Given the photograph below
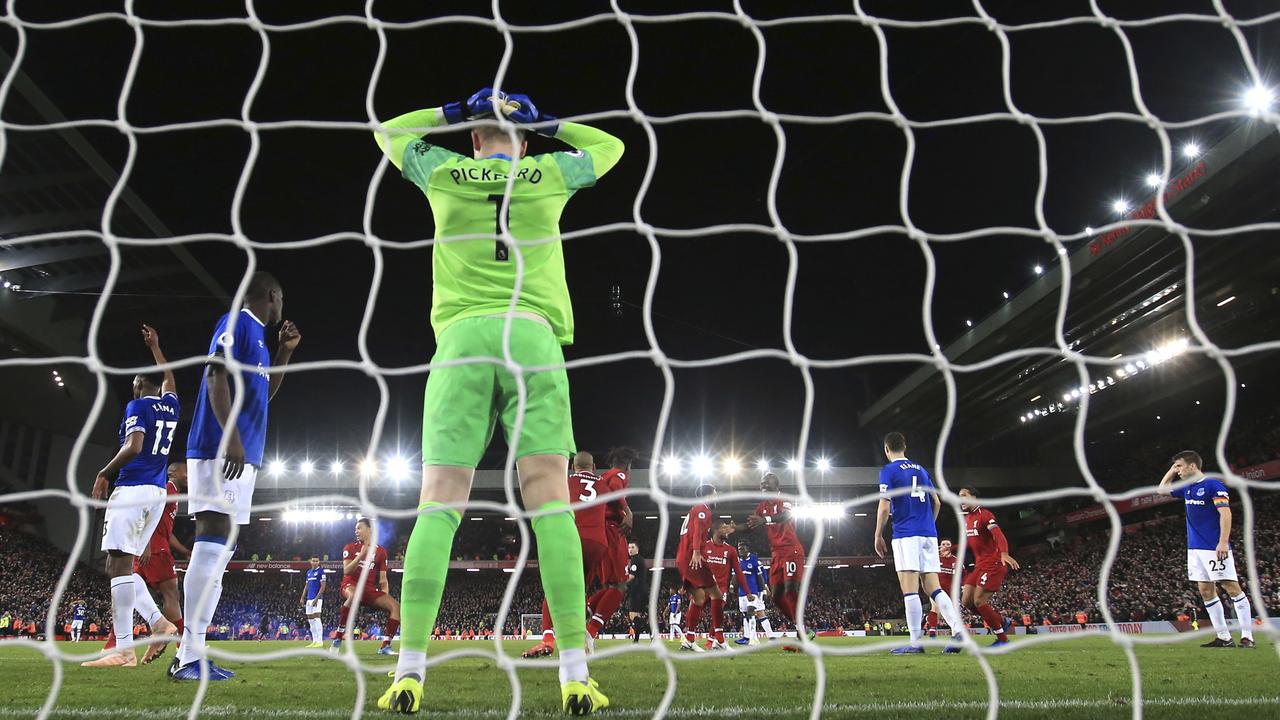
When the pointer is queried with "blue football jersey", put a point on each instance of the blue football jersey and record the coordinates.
(314, 577)
(157, 419)
(77, 612)
(673, 605)
(249, 346)
(912, 510)
(1202, 501)
(754, 574)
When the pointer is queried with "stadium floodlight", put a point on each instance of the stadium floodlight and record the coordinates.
(968, 323)
(1066, 397)
(1075, 393)
(368, 467)
(1190, 150)
(1005, 294)
(702, 466)
(335, 467)
(793, 465)
(1153, 180)
(824, 511)
(1228, 300)
(1120, 206)
(1088, 230)
(1023, 418)
(398, 468)
(1258, 99)
(731, 465)
(276, 467)
(671, 465)
(1038, 269)
(762, 465)
(823, 465)
(307, 467)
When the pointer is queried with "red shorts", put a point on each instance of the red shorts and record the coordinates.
(593, 553)
(787, 565)
(158, 569)
(613, 566)
(367, 598)
(699, 578)
(990, 577)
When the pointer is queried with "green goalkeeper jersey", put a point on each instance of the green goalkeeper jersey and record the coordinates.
(477, 276)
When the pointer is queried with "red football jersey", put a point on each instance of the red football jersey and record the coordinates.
(721, 558)
(693, 532)
(947, 564)
(160, 538)
(781, 534)
(377, 565)
(590, 519)
(984, 536)
(614, 480)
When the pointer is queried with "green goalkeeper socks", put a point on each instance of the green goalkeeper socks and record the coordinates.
(426, 562)
(560, 564)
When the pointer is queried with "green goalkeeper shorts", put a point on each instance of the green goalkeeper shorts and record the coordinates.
(462, 402)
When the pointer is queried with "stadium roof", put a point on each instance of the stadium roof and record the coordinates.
(1128, 287)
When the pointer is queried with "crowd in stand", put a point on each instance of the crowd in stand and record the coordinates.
(1147, 583)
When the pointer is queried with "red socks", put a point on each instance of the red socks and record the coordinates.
(607, 602)
(994, 620)
(717, 619)
(931, 623)
(178, 622)
(691, 622)
(390, 631)
(786, 606)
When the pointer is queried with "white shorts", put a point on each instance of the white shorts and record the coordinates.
(313, 606)
(745, 606)
(77, 624)
(916, 554)
(133, 512)
(673, 619)
(209, 491)
(1204, 566)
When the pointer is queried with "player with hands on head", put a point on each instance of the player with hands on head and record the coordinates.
(1210, 561)
(136, 504)
(222, 481)
(502, 200)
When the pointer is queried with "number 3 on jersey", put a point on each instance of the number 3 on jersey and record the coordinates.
(588, 489)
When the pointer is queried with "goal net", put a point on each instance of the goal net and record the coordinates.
(784, 165)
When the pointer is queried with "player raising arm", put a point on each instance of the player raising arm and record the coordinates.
(503, 200)
(722, 559)
(220, 478)
(137, 502)
(786, 570)
(1209, 556)
(907, 494)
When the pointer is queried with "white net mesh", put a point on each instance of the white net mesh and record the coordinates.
(671, 505)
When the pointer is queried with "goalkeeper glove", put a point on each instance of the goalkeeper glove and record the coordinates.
(526, 113)
(479, 105)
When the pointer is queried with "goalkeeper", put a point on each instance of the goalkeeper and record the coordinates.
(474, 278)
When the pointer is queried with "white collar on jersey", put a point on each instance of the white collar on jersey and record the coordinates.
(255, 317)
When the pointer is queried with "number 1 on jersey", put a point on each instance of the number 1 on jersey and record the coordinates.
(500, 250)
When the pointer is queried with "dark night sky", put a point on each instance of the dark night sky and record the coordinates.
(716, 294)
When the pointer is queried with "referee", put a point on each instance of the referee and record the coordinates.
(637, 599)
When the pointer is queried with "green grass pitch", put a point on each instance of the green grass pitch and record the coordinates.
(1068, 678)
